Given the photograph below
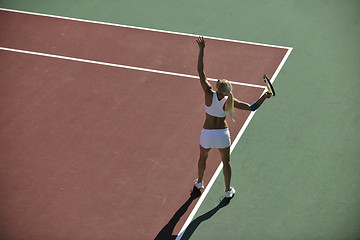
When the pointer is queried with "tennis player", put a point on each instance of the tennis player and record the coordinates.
(215, 133)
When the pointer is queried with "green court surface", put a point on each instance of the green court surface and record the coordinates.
(296, 168)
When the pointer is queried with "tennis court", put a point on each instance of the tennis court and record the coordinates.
(101, 115)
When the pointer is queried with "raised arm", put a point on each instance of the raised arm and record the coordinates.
(200, 66)
(245, 106)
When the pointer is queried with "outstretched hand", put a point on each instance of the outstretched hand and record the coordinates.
(201, 42)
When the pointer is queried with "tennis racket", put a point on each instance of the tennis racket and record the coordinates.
(269, 85)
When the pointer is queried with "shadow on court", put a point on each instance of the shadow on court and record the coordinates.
(167, 232)
(195, 223)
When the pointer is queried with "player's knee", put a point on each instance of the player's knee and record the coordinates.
(226, 160)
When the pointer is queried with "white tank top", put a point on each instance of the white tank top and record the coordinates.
(216, 108)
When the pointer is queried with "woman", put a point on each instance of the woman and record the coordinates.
(215, 133)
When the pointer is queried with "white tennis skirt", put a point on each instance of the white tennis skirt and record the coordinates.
(215, 138)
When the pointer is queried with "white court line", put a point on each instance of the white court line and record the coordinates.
(242, 130)
(139, 28)
(120, 66)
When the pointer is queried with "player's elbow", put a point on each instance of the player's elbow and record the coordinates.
(202, 75)
(200, 71)
(243, 106)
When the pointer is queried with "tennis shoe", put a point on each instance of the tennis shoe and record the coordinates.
(199, 185)
(230, 193)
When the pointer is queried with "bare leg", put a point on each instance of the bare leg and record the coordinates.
(202, 162)
(225, 157)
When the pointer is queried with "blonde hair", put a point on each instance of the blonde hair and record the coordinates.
(225, 87)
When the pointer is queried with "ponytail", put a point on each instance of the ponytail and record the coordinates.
(230, 105)
(226, 88)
